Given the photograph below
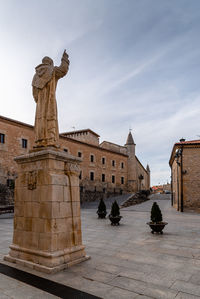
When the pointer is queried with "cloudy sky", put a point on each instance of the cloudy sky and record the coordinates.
(133, 64)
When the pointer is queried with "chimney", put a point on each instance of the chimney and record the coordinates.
(182, 139)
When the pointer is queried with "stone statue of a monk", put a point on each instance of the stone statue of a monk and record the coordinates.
(44, 92)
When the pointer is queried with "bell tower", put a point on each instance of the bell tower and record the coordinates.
(131, 167)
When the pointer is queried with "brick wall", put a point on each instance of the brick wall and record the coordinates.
(14, 133)
(112, 166)
(190, 178)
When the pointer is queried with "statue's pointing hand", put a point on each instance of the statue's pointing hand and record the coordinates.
(65, 56)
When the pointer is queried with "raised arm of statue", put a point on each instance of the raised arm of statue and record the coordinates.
(61, 71)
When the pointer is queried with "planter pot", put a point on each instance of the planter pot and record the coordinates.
(102, 215)
(115, 220)
(157, 227)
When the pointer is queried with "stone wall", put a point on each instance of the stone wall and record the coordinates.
(190, 179)
(87, 136)
(97, 167)
(89, 196)
(114, 147)
(115, 166)
(142, 184)
(14, 133)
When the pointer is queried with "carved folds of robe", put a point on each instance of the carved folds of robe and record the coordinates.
(44, 92)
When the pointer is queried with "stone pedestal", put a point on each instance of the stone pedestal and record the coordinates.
(47, 225)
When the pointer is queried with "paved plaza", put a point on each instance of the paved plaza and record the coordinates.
(127, 261)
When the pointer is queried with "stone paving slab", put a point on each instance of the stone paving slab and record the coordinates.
(186, 287)
(186, 296)
(120, 293)
(127, 261)
(142, 297)
(11, 288)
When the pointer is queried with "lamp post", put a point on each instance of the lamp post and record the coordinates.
(179, 154)
(171, 180)
(177, 162)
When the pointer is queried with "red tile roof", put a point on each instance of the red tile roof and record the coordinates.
(80, 131)
(188, 142)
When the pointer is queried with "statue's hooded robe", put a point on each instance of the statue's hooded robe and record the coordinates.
(44, 88)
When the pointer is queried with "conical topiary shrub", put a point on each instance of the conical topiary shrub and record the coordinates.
(115, 214)
(115, 209)
(156, 215)
(156, 224)
(101, 209)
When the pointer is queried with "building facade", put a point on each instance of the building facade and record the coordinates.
(185, 175)
(106, 167)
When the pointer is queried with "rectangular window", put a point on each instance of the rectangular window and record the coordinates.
(91, 176)
(103, 160)
(80, 175)
(91, 158)
(2, 138)
(65, 150)
(122, 165)
(113, 163)
(103, 177)
(122, 180)
(113, 179)
(24, 143)
(79, 154)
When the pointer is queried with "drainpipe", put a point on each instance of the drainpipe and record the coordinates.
(181, 173)
(177, 187)
(172, 202)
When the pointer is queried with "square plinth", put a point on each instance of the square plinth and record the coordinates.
(47, 225)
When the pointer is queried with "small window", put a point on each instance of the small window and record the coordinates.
(113, 163)
(2, 138)
(91, 176)
(113, 179)
(66, 150)
(103, 160)
(24, 143)
(79, 154)
(122, 180)
(80, 175)
(91, 158)
(122, 165)
(103, 177)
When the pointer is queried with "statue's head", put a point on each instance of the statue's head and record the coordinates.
(47, 60)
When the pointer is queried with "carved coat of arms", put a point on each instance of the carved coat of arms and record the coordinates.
(32, 180)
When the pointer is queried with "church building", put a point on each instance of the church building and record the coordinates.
(106, 168)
